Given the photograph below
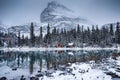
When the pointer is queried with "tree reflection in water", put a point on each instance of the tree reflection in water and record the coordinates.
(51, 59)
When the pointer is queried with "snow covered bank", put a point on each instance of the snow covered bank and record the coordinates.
(80, 71)
(53, 49)
(74, 71)
(77, 71)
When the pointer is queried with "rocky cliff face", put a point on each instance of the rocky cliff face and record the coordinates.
(60, 16)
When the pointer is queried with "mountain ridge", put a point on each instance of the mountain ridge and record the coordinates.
(56, 13)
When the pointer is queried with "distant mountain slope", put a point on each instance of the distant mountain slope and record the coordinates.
(25, 29)
(60, 16)
(57, 15)
(2, 28)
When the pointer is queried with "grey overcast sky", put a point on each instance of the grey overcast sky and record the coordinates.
(16, 12)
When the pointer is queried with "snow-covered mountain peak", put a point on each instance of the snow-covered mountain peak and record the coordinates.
(54, 5)
(57, 15)
(54, 10)
(60, 16)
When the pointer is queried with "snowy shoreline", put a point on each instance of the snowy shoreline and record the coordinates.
(80, 71)
(75, 71)
(54, 49)
(106, 69)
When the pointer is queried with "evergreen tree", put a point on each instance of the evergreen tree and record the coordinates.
(48, 29)
(19, 38)
(54, 32)
(93, 35)
(41, 34)
(111, 33)
(78, 29)
(88, 35)
(23, 40)
(65, 37)
(26, 41)
(32, 36)
(40, 41)
(111, 30)
(97, 35)
(47, 37)
(82, 34)
(117, 33)
(78, 35)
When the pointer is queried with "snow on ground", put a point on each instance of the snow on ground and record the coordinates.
(80, 71)
(76, 71)
(53, 49)
(70, 53)
(114, 66)
(6, 71)
(10, 74)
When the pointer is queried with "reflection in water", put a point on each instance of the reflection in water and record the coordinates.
(116, 79)
(51, 59)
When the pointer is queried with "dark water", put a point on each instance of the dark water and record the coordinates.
(116, 79)
(50, 59)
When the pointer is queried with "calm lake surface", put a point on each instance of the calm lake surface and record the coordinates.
(45, 60)
(50, 59)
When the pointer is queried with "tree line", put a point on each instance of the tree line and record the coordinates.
(95, 37)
